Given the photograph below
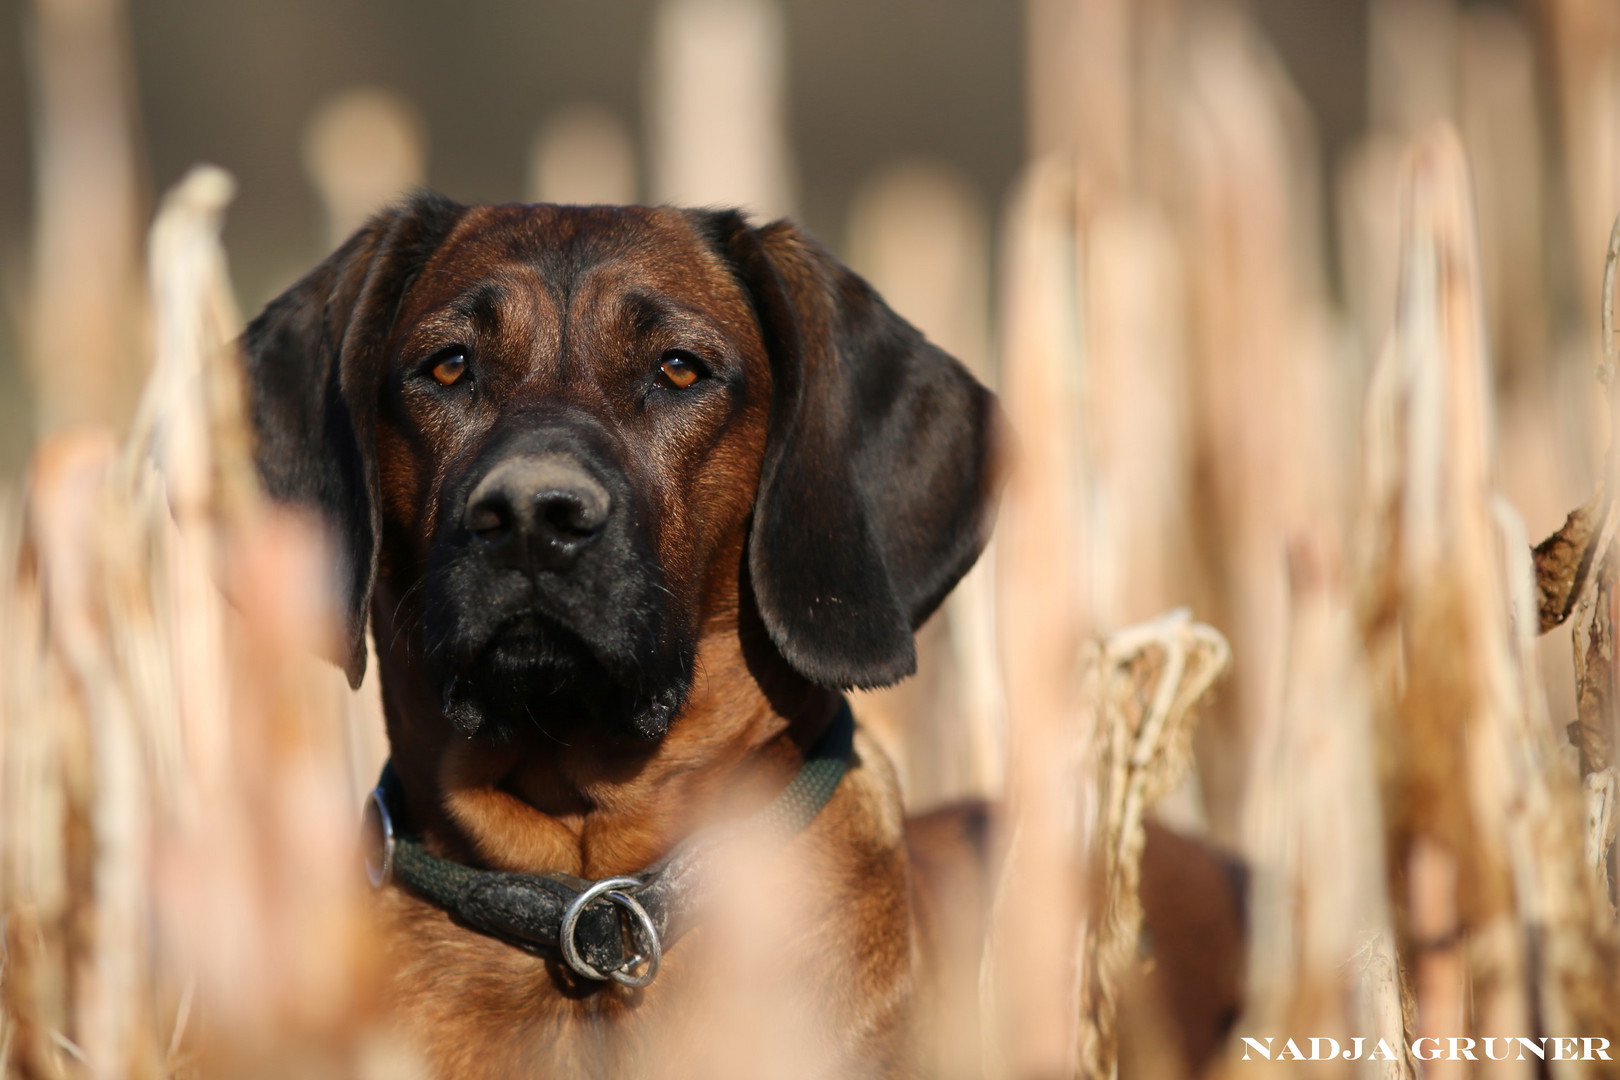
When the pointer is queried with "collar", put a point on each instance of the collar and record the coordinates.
(605, 929)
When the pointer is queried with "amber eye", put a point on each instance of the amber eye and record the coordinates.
(450, 369)
(678, 370)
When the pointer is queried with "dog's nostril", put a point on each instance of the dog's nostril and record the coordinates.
(491, 519)
(567, 516)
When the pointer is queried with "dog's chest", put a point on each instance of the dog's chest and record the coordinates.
(778, 964)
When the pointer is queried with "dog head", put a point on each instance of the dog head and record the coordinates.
(564, 443)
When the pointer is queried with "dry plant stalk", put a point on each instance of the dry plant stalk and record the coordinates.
(1115, 377)
(1079, 84)
(1322, 952)
(1034, 949)
(1575, 571)
(85, 286)
(1594, 594)
(171, 779)
(1497, 926)
(1266, 420)
(1093, 743)
(1137, 419)
(1568, 562)
(1583, 42)
(1146, 684)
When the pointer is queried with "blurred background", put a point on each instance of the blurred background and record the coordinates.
(468, 94)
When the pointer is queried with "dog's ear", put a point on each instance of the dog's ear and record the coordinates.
(878, 484)
(314, 360)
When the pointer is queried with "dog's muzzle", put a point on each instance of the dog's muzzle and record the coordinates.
(546, 589)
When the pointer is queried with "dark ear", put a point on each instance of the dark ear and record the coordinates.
(314, 361)
(878, 485)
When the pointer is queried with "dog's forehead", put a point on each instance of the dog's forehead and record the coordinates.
(574, 252)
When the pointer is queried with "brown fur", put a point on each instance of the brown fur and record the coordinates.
(869, 925)
(482, 1008)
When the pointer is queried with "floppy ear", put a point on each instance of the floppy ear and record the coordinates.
(878, 484)
(314, 360)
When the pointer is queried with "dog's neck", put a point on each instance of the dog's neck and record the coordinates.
(530, 803)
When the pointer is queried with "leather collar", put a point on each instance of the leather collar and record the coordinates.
(615, 928)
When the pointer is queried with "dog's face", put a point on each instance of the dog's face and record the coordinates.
(572, 423)
(561, 444)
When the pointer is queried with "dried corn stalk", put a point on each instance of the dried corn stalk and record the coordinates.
(1322, 954)
(88, 207)
(1594, 597)
(173, 768)
(1575, 572)
(1582, 39)
(1266, 417)
(1496, 925)
(1146, 684)
(1034, 949)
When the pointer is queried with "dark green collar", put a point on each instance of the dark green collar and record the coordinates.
(604, 929)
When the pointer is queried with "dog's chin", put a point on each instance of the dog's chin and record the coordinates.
(534, 676)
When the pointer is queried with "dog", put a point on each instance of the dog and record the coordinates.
(627, 497)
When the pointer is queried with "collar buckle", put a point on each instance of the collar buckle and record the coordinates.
(620, 891)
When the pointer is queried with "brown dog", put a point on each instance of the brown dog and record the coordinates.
(628, 496)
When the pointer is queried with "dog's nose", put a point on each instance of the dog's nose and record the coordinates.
(537, 512)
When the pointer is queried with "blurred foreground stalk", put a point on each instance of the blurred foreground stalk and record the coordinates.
(1099, 725)
(1500, 925)
(176, 898)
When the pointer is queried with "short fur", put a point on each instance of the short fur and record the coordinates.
(775, 533)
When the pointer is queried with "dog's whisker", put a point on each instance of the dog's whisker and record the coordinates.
(542, 729)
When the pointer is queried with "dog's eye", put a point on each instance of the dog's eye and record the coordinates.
(679, 369)
(450, 368)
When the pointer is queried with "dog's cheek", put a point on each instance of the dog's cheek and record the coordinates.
(723, 484)
(684, 550)
(403, 479)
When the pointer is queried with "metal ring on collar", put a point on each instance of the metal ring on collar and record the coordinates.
(655, 948)
(379, 860)
(613, 890)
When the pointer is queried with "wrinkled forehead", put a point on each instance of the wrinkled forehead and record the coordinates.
(573, 259)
